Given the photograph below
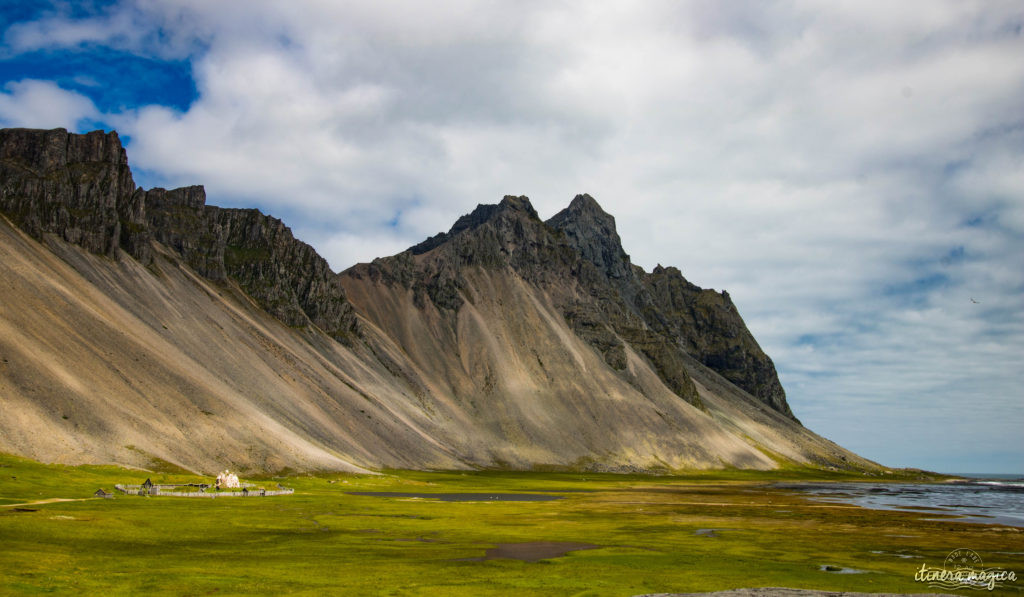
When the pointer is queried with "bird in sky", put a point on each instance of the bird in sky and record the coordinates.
(974, 301)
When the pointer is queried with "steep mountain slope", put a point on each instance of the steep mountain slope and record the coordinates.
(520, 322)
(139, 324)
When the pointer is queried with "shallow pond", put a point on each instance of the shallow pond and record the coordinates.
(531, 551)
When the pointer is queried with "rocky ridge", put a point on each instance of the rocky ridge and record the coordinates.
(80, 188)
(284, 275)
(76, 186)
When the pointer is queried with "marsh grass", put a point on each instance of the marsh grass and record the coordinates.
(323, 541)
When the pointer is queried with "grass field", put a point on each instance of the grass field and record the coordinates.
(651, 532)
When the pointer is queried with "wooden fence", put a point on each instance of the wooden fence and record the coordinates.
(166, 491)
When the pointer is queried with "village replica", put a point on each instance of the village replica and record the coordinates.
(226, 485)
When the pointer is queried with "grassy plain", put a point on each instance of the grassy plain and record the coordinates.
(323, 541)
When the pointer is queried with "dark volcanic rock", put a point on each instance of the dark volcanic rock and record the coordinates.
(177, 218)
(709, 325)
(592, 232)
(492, 236)
(675, 313)
(284, 275)
(75, 186)
(80, 188)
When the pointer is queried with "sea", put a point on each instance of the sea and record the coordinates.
(978, 498)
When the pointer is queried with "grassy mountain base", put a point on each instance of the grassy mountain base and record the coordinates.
(651, 533)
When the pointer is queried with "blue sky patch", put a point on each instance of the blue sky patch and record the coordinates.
(916, 291)
(13, 11)
(114, 80)
(955, 255)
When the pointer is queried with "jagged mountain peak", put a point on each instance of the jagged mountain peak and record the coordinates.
(585, 202)
(510, 205)
(484, 213)
(584, 207)
(591, 231)
(518, 203)
(673, 272)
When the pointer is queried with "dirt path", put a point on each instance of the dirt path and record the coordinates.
(47, 501)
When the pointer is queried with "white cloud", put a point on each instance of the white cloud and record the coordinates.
(819, 160)
(152, 28)
(43, 104)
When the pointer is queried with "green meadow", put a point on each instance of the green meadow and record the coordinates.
(699, 532)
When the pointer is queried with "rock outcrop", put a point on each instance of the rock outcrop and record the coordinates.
(80, 188)
(675, 313)
(592, 233)
(284, 275)
(710, 328)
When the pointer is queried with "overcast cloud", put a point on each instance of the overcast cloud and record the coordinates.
(852, 172)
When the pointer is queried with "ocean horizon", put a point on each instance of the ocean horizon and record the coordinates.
(995, 476)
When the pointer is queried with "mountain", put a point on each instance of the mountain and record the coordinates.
(144, 325)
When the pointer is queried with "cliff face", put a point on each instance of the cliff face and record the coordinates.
(80, 188)
(149, 324)
(283, 275)
(703, 323)
(710, 327)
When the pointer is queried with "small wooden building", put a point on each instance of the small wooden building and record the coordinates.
(103, 494)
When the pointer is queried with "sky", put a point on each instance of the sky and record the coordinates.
(852, 172)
